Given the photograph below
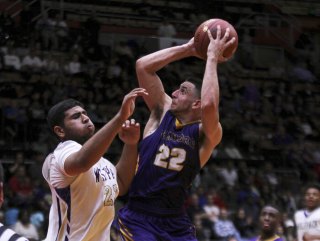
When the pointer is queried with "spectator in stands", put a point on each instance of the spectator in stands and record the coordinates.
(229, 174)
(51, 65)
(244, 224)
(166, 29)
(45, 28)
(21, 187)
(6, 233)
(32, 63)
(250, 203)
(62, 31)
(74, 66)
(212, 211)
(192, 206)
(282, 138)
(19, 160)
(11, 60)
(202, 232)
(300, 72)
(224, 228)
(24, 227)
(210, 175)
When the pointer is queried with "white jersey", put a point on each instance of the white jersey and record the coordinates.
(7, 234)
(307, 222)
(82, 206)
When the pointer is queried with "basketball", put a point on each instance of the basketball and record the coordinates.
(201, 39)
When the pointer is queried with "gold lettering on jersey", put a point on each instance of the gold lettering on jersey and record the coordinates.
(108, 200)
(171, 136)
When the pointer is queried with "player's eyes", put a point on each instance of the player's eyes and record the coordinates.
(183, 91)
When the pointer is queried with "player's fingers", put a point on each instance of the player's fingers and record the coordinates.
(230, 42)
(210, 34)
(226, 34)
(126, 124)
(218, 32)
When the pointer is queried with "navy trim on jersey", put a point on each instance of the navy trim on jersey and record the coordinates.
(64, 194)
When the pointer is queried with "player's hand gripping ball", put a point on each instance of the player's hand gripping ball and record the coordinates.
(201, 39)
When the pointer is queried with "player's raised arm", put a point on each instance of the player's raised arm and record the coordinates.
(146, 68)
(210, 93)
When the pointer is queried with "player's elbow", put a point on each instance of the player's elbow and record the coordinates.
(140, 64)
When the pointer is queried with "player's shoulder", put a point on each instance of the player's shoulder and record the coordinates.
(300, 215)
(316, 211)
(67, 144)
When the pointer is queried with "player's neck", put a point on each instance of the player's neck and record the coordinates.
(311, 209)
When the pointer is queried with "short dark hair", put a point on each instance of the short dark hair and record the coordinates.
(197, 83)
(272, 205)
(55, 115)
(312, 185)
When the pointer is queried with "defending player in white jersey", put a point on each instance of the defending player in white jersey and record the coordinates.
(84, 185)
(307, 220)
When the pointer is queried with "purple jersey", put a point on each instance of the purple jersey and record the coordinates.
(273, 238)
(168, 163)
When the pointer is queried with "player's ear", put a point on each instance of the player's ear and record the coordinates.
(59, 131)
(196, 104)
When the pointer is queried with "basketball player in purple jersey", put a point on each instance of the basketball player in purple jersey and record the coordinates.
(178, 140)
(269, 221)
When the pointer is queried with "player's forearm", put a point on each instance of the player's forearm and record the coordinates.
(312, 237)
(96, 146)
(157, 60)
(126, 167)
(210, 93)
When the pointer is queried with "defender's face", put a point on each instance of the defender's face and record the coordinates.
(183, 97)
(77, 125)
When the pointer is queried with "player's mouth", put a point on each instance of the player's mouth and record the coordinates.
(91, 127)
(266, 225)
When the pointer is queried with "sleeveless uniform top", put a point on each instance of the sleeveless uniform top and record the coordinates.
(82, 206)
(273, 238)
(307, 222)
(168, 163)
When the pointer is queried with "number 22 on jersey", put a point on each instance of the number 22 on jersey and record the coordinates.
(171, 159)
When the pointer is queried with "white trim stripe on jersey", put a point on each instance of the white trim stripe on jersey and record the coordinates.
(6, 234)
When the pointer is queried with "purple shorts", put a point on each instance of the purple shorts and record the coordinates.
(134, 226)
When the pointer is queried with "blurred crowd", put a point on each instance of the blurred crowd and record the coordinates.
(269, 150)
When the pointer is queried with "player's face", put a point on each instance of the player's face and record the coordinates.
(77, 125)
(269, 219)
(312, 198)
(183, 98)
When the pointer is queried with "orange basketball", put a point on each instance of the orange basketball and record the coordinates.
(201, 39)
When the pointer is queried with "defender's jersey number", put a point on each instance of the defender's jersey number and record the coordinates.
(170, 159)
